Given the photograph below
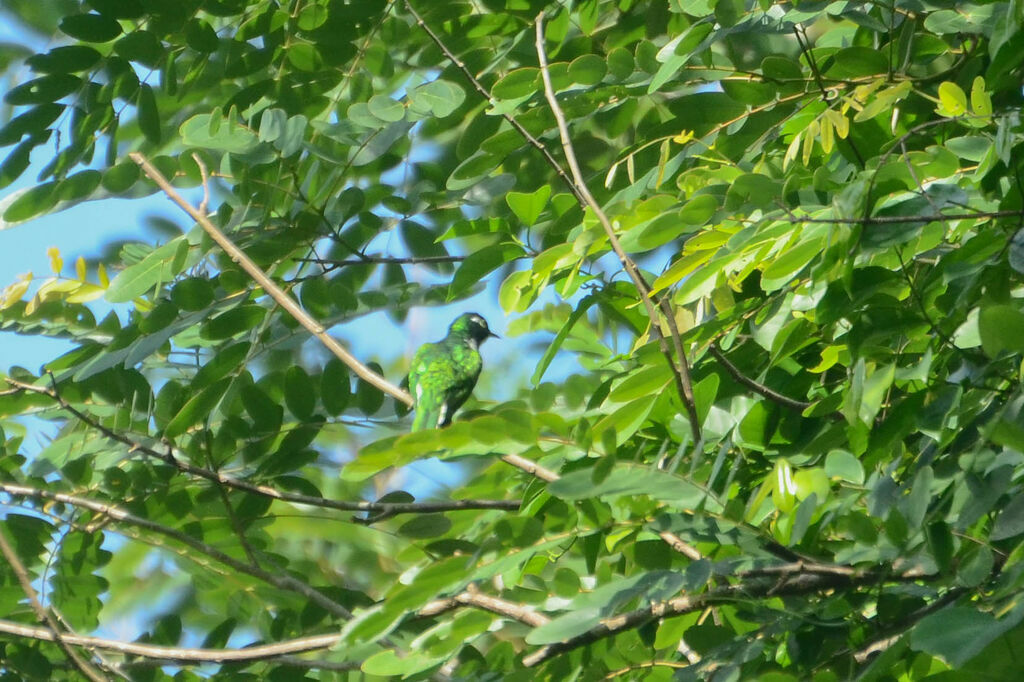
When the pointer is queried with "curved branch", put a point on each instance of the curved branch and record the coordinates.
(284, 582)
(761, 389)
(268, 285)
(471, 597)
(680, 368)
(792, 581)
(178, 654)
(388, 508)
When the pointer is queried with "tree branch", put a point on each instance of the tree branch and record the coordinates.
(471, 597)
(794, 583)
(680, 367)
(268, 285)
(51, 629)
(176, 654)
(761, 389)
(381, 260)
(389, 508)
(284, 582)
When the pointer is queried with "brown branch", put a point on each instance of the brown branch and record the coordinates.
(680, 368)
(51, 629)
(471, 597)
(787, 584)
(390, 508)
(284, 582)
(382, 260)
(177, 654)
(761, 389)
(530, 467)
(268, 285)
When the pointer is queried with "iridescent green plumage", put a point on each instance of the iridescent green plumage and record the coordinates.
(443, 374)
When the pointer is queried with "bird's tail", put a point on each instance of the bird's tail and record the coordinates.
(426, 417)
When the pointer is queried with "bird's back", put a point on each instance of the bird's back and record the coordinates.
(441, 378)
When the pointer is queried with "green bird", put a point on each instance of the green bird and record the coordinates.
(443, 374)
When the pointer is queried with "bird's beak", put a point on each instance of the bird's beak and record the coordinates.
(490, 333)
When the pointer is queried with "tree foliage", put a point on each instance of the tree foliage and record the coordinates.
(779, 241)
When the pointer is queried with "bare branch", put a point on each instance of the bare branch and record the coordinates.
(51, 629)
(530, 467)
(681, 546)
(471, 597)
(680, 367)
(761, 389)
(381, 260)
(268, 285)
(389, 508)
(177, 654)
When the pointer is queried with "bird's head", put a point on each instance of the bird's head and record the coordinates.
(473, 326)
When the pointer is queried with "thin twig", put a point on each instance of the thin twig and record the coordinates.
(268, 285)
(478, 86)
(382, 260)
(681, 546)
(761, 389)
(63, 640)
(680, 368)
(390, 508)
(530, 467)
(177, 654)
(284, 582)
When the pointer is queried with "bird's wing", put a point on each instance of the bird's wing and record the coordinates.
(425, 379)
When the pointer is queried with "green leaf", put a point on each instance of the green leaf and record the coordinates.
(197, 409)
(386, 109)
(843, 465)
(149, 114)
(857, 62)
(425, 526)
(304, 57)
(43, 90)
(958, 633)
(517, 83)
(952, 100)
(782, 269)
(528, 207)
(136, 280)
(236, 321)
(1010, 522)
(438, 98)
(1001, 328)
(213, 131)
(587, 69)
(480, 263)
(335, 387)
(65, 59)
(299, 392)
(92, 28)
(29, 203)
(265, 412)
